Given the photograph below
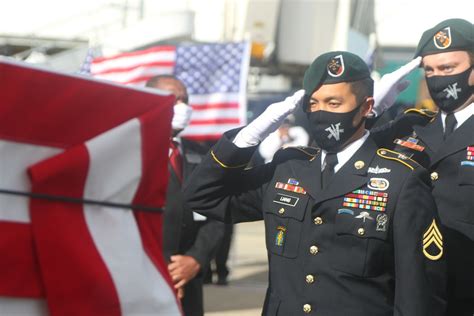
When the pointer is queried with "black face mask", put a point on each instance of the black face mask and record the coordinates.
(332, 130)
(450, 92)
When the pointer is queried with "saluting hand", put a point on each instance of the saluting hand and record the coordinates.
(387, 89)
(268, 121)
(183, 269)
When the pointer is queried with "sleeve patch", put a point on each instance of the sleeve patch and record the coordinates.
(433, 242)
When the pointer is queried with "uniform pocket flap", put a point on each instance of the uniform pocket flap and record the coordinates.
(466, 173)
(286, 205)
(362, 224)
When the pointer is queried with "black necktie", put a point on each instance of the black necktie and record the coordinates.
(450, 123)
(328, 172)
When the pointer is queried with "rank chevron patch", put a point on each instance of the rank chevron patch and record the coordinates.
(433, 242)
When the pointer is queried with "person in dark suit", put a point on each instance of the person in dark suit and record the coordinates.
(189, 239)
(350, 228)
(443, 142)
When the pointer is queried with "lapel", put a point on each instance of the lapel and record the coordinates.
(308, 173)
(459, 139)
(432, 133)
(349, 178)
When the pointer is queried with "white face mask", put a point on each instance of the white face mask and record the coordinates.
(181, 116)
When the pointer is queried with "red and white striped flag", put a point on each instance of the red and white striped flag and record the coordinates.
(214, 74)
(67, 139)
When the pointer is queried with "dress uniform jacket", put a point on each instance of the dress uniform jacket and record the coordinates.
(183, 235)
(451, 164)
(362, 246)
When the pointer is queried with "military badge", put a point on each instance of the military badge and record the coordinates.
(378, 170)
(433, 242)
(382, 220)
(411, 143)
(290, 187)
(364, 215)
(293, 181)
(285, 199)
(380, 184)
(470, 153)
(336, 66)
(442, 39)
(467, 163)
(280, 236)
(367, 200)
(345, 211)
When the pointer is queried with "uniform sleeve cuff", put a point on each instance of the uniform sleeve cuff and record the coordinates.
(226, 154)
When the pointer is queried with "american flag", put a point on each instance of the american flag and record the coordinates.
(92, 151)
(214, 74)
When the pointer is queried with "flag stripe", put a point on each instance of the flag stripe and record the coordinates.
(215, 98)
(223, 113)
(215, 106)
(216, 121)
(167, 64)
(19, 272)
(204, 137)
(136, 53)
(136, 75)
(207, 129)
(99, 66)
(14, 177)
(23, 307)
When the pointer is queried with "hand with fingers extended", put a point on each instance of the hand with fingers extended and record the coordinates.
(183, 269)
(387, 89)
(268, 121)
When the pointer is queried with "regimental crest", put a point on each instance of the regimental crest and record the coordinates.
(336, 66)
(442, 39)
(433, 242)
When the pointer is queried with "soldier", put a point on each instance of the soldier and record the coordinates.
(351, 229)
(444, 144)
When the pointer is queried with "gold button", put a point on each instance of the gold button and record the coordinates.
(359, 164)
(281, 211)
(309, 278)
(307, 308)
(318, 220)
(434, 176)
(313, 250)
(361, 231)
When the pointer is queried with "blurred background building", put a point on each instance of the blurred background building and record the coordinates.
(286, 35)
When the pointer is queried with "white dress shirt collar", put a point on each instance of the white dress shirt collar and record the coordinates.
(344, 155)
(461, 116)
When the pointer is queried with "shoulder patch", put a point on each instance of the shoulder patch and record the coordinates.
(423, 112)
(290, 152)
(397, 156)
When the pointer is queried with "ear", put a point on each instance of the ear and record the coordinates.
(367, 106)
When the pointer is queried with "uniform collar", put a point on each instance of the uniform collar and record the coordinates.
(344, 155)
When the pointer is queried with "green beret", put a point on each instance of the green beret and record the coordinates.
(334, 67)
(449, 35)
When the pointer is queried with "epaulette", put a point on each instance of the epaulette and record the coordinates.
(292, 152)
(399, 157)
(423, 112)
